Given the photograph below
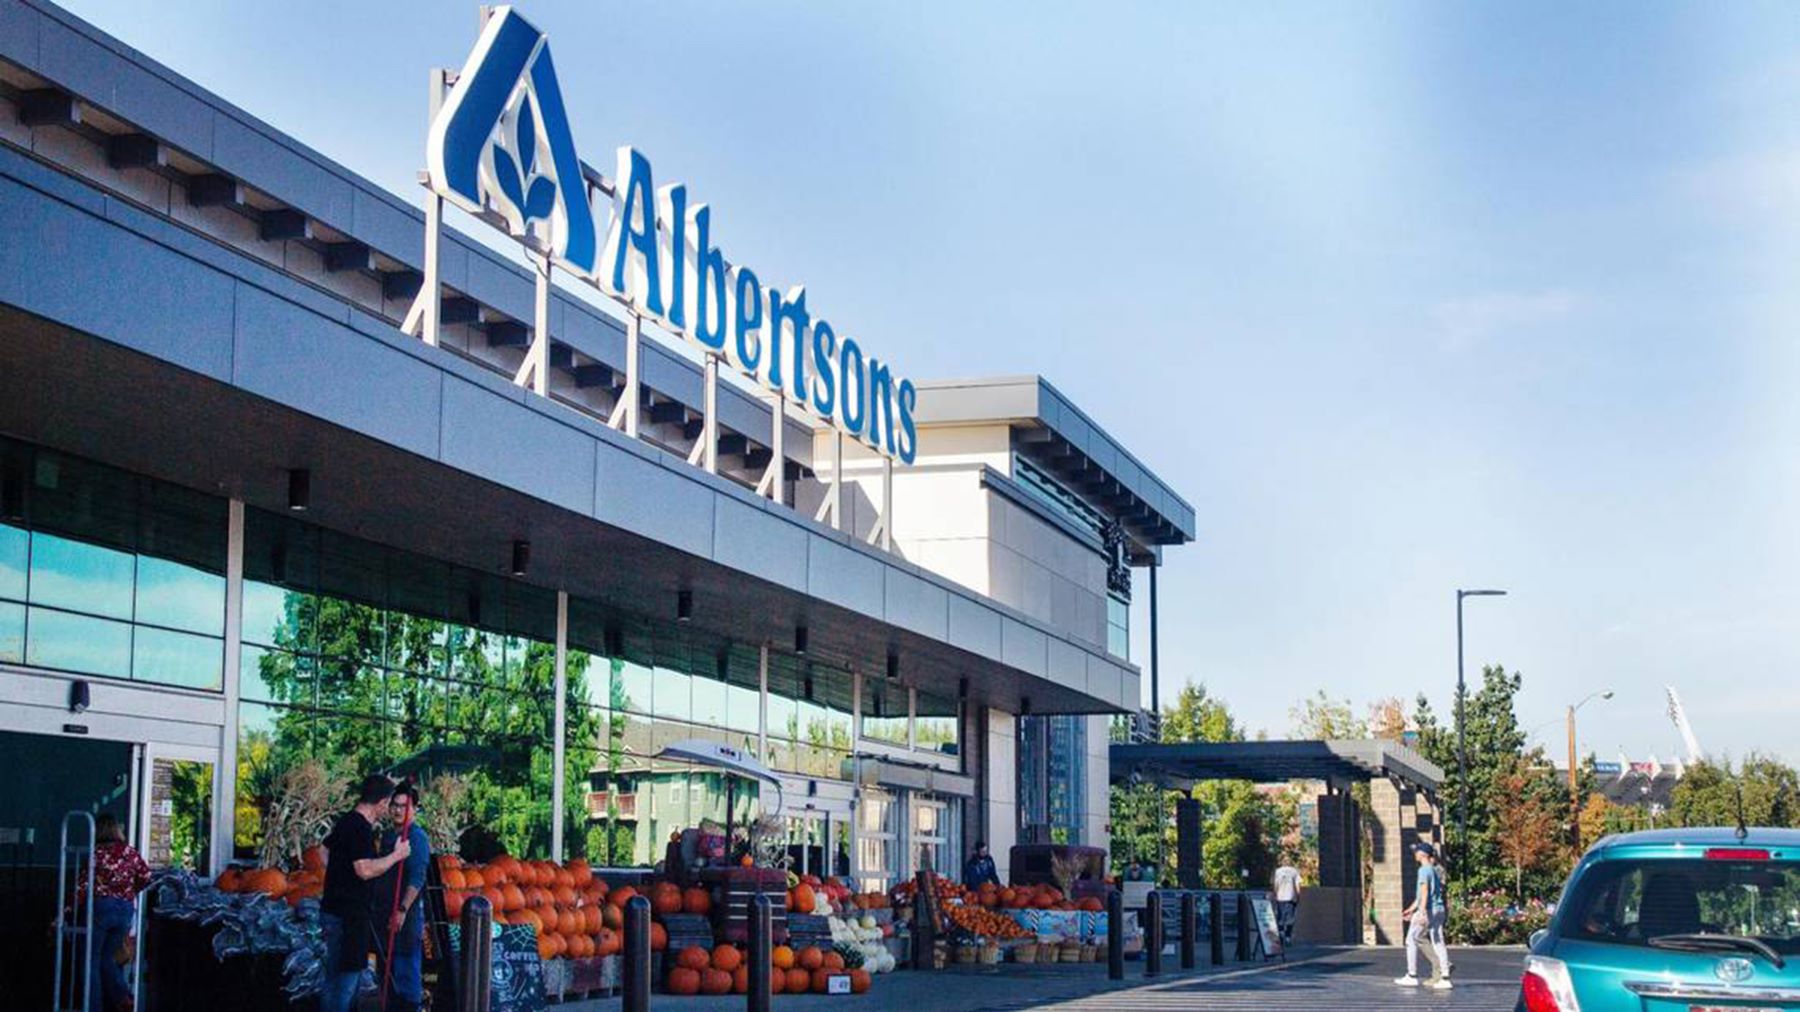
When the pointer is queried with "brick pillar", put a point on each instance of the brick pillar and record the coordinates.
(1390, 835)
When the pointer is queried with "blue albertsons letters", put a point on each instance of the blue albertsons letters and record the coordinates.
(501, 143)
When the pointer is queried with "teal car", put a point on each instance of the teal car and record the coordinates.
(1680, 920)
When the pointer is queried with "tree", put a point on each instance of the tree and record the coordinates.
(1526, 826)
(1197, 716)
(1321, 717)
(1707, 795)
(1387, 719)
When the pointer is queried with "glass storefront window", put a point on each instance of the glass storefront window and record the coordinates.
(79, 577)
(937, 725)
(12, 632)
(1118, 627)
(175, 596)
(89, 646)
(885, 712)
(15, 556)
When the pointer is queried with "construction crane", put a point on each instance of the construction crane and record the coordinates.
(1679, 715)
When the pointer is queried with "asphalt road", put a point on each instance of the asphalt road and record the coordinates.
(1348, 981)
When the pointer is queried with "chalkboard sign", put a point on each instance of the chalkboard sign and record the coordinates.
(518, 973)
(1268, 929)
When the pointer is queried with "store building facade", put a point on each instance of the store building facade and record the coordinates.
(249, 517)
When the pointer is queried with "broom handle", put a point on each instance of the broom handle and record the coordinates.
(387, 963)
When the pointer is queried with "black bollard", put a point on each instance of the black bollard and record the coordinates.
(1153, 934)
(762, 939)
(475, 973)
(1246, 920)
(635, 974)
(1115, 935)
(1190, 925)
(1215, 926)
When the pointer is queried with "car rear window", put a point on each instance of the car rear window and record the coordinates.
(1629, 902)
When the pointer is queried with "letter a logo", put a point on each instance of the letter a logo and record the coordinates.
(501, 144)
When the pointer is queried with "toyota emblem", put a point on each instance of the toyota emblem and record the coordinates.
(1733, 970)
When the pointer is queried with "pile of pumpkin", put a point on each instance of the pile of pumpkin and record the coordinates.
(574, 913)
(978, 920)
(722, 971)
(306, 883)
(1029, 897)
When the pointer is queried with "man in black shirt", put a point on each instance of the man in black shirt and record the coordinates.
(350, 864)
(980, 868)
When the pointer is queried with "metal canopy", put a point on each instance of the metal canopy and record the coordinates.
(1184, 764)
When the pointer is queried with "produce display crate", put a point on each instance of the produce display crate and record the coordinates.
(734, 888)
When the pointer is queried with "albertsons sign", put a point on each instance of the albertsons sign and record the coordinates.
(501, 143)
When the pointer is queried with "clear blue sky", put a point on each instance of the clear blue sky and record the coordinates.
(1401, 296)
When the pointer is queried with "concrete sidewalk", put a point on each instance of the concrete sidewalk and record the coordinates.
(963, 988)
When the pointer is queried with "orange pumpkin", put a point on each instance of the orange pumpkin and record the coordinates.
(453, 878)
(496, 899)
(453, 902)
(659, 935)
(614, 918)
(694, 958)
(313, 858)
(608, 942)
(231, 880)
(621, 896)
(665, 899)
(1090, 904)
(696, 900)
(268, 881)
(590, 920)
(809, 958)
(726, 957)
(820, 980)
(833, 960)
(859, 980)
(797, 982)
(513, 897)
(580, 872)
(547, 946)
(568, 921)
(473, 878)
(782, 957)
(740, 980)
(777, 981)
(563, 894)
(715, 982)
(684, 981)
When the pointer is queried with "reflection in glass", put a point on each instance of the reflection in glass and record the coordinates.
(15, 549)
(180, 597)
(81, 577)
(65, 642)
(12, 632)
(177, 658)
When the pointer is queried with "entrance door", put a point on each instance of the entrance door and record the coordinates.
(175, 806)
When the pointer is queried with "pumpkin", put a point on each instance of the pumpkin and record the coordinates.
(740, 980)
(696, 900)
(473, 878)
(747, 861)
(726, 957)
(528, 917)
(496, 899)
(833, 960)
(453, 902)
(809, 958)
(801, 900)
(579, 872)
(859, 980)
(608, 942)
(797, 982)
(547, 946)
(313, 858)
(782, 957)
(590, 920)
(684, 981)
(665, 899)
(512, 897)
(821, 979)
(268, 881)
(621, 896)
(568, 921)
(1090, 905)
(777, 981)
(453, 878)
(715, 982)
(231, 880)
(694, 958)
(659, 935)
(614, 918)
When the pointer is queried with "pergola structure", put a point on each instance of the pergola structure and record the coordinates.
(1403, 810)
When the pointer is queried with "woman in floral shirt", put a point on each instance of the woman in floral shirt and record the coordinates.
(119, 875)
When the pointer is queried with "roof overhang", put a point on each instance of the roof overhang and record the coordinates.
(1184, 764)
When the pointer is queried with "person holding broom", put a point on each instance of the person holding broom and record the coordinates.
(400, 919)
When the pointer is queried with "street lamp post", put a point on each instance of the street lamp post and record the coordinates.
(1574, 798)
(1462, 756)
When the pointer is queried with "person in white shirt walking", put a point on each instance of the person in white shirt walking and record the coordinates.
(1286, 886)
(1425, 920)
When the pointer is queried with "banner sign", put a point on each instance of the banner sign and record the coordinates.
(501, 145)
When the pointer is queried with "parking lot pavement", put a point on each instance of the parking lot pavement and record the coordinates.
(1349, 980)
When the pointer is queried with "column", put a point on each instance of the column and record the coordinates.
(224, 804)
(1000, 788)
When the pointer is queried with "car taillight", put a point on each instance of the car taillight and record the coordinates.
(1736, 854)
(1546, 986)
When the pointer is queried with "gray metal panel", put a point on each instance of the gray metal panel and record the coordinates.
(248, 153)
(974, 626)
(497, 283)
(376, 219)
(20, 29)
(750, 538)
(591, 333)
(297, 357)
(485, 434)
(179, 311)
(77, 62)
(1131, 690)
(1024, 647)
(639, 493)
(917, 604)
(843, 576)
(1104, 680)
(1068, 665)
